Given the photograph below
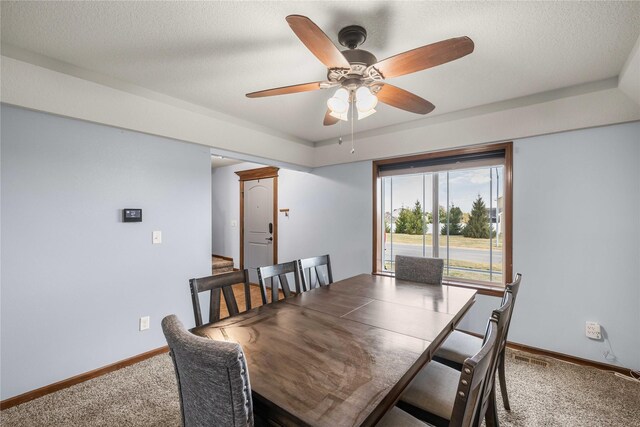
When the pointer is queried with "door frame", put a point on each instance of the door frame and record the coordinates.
(252, 175)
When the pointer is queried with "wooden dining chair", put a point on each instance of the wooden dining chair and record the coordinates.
(460, 345)
(312, 268)
(419, 269)
(216, 284)
(488, 407)
(212, 376)
(278, 275)
(440, 395)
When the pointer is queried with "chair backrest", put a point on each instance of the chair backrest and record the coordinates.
(216, 284)
(474, 375)
(311, 268)
(418, 269)
(512, 288)
(278, 274)
(212, 376)
(502, 317)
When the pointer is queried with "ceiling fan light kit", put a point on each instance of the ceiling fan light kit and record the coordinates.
(359, 76)
(340, 116)
(339, 103)
(365, 100)
(365, 114)
(365, 103)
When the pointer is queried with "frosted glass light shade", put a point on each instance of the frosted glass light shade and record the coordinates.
(339, 103)
(363, 114)
(365, 100)
(344, 116)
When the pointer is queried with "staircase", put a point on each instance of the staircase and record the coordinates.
(220, 265)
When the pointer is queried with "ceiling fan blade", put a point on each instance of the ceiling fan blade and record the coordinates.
(317, 42)
(329, 119)
(425, 57)
(305, 87)
(404, 100)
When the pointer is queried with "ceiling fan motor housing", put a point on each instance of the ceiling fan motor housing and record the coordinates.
(352, 36)
(360, 60)
(359, 56)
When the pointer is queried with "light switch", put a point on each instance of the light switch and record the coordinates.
(144, 323)
(234, 223)
(157, 237)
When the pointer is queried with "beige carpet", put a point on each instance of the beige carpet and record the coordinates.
(145, 394)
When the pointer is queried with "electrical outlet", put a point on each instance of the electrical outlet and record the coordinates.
(144, 323)
(593, 331)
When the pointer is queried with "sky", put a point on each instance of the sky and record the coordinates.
(464, 187)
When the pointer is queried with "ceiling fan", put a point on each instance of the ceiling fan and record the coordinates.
(360, 76)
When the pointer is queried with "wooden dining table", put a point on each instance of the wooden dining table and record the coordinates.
(341, 355)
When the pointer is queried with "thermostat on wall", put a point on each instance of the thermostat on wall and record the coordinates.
(131, 215)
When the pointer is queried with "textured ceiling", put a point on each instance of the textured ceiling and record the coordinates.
(212, 53)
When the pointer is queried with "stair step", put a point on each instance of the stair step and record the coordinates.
(221, 265)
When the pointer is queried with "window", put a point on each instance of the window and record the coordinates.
(454, 205)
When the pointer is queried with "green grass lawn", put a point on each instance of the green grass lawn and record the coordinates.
(454, 241)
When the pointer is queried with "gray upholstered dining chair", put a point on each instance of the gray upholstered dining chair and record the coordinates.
(418, 269)
(460, 345)
(278, 274)
(312, 274)
(212, 376)
(441, 395)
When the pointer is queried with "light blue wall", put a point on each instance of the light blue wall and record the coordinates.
(330, 213)
(75, 279)
(577, 242)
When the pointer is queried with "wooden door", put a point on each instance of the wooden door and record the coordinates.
(258, 220)
(258, 225)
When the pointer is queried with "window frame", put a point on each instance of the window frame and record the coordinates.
(481, 287)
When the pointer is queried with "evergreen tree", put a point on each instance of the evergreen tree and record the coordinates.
(442, 215)
(455, 221)
(403, 222)
(418, 223)
(478, 224)
(411, 221)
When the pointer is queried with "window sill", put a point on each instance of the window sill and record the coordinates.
(482, 289)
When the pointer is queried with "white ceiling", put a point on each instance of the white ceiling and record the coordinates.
(212, 53)
(219, 161)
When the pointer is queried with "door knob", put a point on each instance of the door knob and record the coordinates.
(269, 239)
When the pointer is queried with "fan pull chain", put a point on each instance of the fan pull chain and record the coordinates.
(340, 132)
(353, 150)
